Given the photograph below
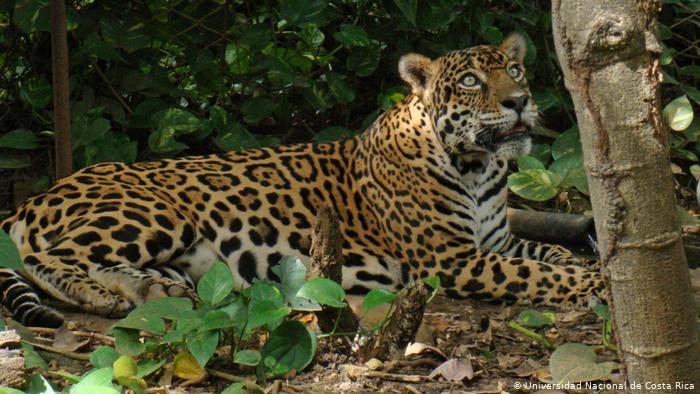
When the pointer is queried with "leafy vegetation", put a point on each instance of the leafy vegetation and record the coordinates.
(186, 336)
(159, 78)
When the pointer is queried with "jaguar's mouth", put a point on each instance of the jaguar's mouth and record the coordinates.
(517, 131)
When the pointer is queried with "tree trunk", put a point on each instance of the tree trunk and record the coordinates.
(610, 56)
(61, 90)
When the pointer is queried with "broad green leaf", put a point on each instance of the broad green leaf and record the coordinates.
(267, 305)
(185, 366)
(103, 357)
(126, 341)
(341, 90)
(535, 319)
(292, 275)
(19, 139)
(247, 357)
(409, 9)
(7, 390)
(216, 320)
(363, 60)
(9, 161)
(692, 92)
(352, 36)
(36, 92)
(216, 283)
(378, 297)
(571, 171)
(566, 143)
(236, 137)
(691, 71)
(301, 12)
(679, 113)
(177, 119)
(39, 385)
(290, 347)
(528, 162)
(257, 108)
(324, 291)
(32, 15)
(236, 388)
(32, 359)
(97, 381)
(312, 36)
(9, 255)
(202, 345)
(257, 36)
(112, 146)
(685, 217)
(146, 367)
(434, 283)
(391, 97)
(602, 311)
(87, 129)
(541, 152)
(575, 362)
(536, 185)
(333, 133)
(163, 141)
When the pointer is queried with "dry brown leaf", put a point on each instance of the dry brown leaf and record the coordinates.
(454, 369)
(528, 368)
(374, 364)
(185, 366)
(65, 340)
(418, 348)
(509, 362)
(570, 316)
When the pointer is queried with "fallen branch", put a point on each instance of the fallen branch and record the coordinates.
(252, 386)
(69, 354)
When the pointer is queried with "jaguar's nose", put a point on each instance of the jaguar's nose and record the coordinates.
(516, 103)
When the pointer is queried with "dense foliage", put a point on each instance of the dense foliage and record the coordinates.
(162, 78)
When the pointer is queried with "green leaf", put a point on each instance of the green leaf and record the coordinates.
(87, 129)
(685, 217)
(216, 320)
(341, 90)
(352, 36)
(36, 92)
(9, 255)
(541, 152)
(97, 381)
(257, 109)
(216, 284)
(409, 9)
(292, 275)
(692, 92)
(363, 60)
(333, 133)
(528, 162)
(14, 161)
(566, 143)
(536, 185)
(256, 37)
(247, 357)
(32, 15)
(324, 291)
(39, 385)
(177, 119)
(391, 97)
(112, 146)
(236, 388)
(575, 362)
(602, 311)
(236, 137)
(535, 319)
(434, 283)
(571, 171)
(691, 71)
(378, 297)
(147, 367)
(679, 113)
(267, 305)
(124, 366)
(103, 357)
(300, 12)
(19, 139)
(202, 345)
(291, 347)
(312, 36)
(32, 359)
(126, 341)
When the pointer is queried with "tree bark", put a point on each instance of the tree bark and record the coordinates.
(609, 53)
(61, 90)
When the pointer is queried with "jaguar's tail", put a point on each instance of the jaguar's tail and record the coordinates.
(23, 302)
(17, 295)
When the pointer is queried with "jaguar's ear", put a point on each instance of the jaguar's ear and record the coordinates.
(416, 70)
(515, 47)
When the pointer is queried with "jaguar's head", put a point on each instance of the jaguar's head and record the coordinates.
(478, 98)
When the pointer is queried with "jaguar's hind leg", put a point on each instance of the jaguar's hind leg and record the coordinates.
(66, 279)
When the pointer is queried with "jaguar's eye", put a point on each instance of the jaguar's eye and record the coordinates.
(470, 80)
(514, 71)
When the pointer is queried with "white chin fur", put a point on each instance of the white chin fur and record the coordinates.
(514, 149)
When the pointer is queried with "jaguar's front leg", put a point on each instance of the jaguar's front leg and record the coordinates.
(490, 276)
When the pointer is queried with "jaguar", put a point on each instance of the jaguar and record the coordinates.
(420, 193)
